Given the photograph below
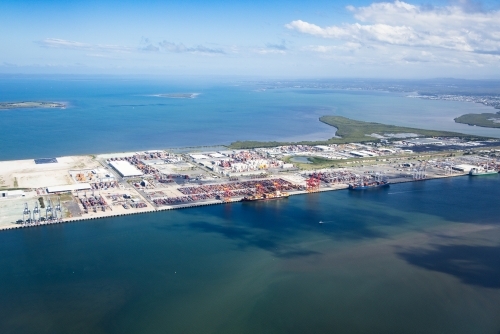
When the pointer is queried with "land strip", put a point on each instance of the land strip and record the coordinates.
(53, 190)
(487, 120)
(353, 131)
(31, 104)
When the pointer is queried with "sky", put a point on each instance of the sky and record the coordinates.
(284, 38)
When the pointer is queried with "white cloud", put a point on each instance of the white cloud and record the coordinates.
(150, 48)
(274, 46)
(102, 50)
(181, 48)
(398, 23)
(348, 47)
(65, 44)
(102, 55)
(266, 51)
(6, 64)
(272, 49)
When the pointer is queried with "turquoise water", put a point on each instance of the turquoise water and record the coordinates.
(414, 258)
(115, 115)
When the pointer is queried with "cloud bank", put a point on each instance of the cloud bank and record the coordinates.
(181, 48)
(460, 28)
(385, 38)
(64, 44)
(164, 46)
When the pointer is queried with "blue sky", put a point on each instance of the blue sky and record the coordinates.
(392, 39)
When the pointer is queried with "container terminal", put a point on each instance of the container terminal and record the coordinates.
(63, 189)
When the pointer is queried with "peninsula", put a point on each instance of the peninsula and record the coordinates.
(353, 131)
(487, 120)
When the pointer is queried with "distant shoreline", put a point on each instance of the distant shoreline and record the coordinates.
(353, 131)
(177, 95)
(30, 104)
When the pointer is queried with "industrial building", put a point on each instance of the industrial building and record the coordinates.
(12, 193)
(68, 188)
(423, 141)
(464, 168)
(125, 168)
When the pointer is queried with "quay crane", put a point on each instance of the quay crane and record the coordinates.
(36, 214)
(313, 183)
(48, 211)
(227, 195)
(262, 193)
(57, 210)
(26, 213)
(259, 190)
(420, 173)
(277, 186)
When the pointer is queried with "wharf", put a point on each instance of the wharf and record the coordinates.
(99, 215)
(119, 184)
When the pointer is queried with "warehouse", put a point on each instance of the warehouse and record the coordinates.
(125, 168)
(424, 141)
(12, 193)
(68, 188)
(465, 168)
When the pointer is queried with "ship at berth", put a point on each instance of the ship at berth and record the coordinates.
(266, 196)
(378, 182)
(478, 171)
(368, 185)
(482, 171)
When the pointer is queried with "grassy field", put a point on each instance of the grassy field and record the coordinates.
(352, 131)
(483, 120)
(314, 162)
(320, 163)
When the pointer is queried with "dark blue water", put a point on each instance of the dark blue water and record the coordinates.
(116, 114)
(414, 258)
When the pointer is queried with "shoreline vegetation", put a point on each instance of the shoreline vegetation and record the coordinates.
(352, 131)
(485, 120)
(30, 104)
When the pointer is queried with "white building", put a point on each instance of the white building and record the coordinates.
(68, 188)
(12, 193)
(125, 168)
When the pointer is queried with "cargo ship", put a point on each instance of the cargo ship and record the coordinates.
(265, 196)
(368, 185)
(482, 171)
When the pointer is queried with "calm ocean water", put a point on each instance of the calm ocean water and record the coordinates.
(115, 115)
(414, 258)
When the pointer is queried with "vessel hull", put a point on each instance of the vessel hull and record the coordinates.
(483, 173)
(245, 199)
(374, 186)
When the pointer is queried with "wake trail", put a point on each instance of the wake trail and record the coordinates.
(402, 192)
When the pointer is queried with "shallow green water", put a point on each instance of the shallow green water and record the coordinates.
(414, 258)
